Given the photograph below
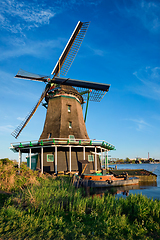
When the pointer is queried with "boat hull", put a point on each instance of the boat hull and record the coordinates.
(77, 181)
(115, 183)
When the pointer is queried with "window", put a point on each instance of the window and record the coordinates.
(70, 124)
(50, 158)
(49, 135)
(71, 138)
(90, 158)
(69, 108)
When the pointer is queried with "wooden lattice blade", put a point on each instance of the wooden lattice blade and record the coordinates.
(18, 130)
(70, 51)
(81, 83)
(31, 76)
(98, 89)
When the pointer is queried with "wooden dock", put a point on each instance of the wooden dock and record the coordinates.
(142, 174)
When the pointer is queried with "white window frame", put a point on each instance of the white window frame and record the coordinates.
(91, 156)
(71, 138)
(52, 157)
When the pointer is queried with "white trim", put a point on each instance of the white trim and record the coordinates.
(101, 157)
(55, 160)
(42, 160)
(107, 159)
(19, 159)
(70, 159)
(95, 159)
(30, 158)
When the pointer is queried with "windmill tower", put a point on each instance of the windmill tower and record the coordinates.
(64, 98)
(68, 120)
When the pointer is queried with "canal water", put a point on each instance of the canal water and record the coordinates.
(151, 190)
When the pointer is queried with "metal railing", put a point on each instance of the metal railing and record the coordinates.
(63, 141)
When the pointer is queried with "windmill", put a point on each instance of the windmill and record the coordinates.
(56, 85)
(64, 97)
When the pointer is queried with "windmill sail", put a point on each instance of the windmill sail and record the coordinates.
(69, 53)
(98, 89)
(31, 76)
(17, 131)
(62, 66)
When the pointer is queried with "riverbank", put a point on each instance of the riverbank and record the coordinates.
(53, 209)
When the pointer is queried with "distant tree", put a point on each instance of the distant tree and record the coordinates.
(151, 159)
(127, 160)
(120, 161)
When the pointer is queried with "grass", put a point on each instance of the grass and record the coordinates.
(54, 209)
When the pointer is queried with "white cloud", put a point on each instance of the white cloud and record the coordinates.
(148, 12)
(36, 49)
(140, 124)
(6, 128)
(149, 82)
(13, 87)
(20, 118)
(95, 51)
(98, 52)
(16, 15)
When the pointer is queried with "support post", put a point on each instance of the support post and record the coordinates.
(30, 158)
(101, 157)
(87, 106)
(84, 153)
(55, 159)
(70, 159)
(21, 156)
(19, 159)
(42, 160)
(105, 159)
(95, 159)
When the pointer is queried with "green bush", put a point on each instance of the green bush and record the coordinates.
(5, 161)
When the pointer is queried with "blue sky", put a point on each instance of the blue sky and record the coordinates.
(121, 48)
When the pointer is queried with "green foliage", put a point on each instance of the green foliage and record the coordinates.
(5, 161)
(54, 209)
(151, 159)
(127, 160)
(120, 161)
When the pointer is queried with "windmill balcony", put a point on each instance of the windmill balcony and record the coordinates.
(63, 154)
(61, 141)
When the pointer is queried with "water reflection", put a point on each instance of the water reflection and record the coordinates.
(123, 191)
(149, 189)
